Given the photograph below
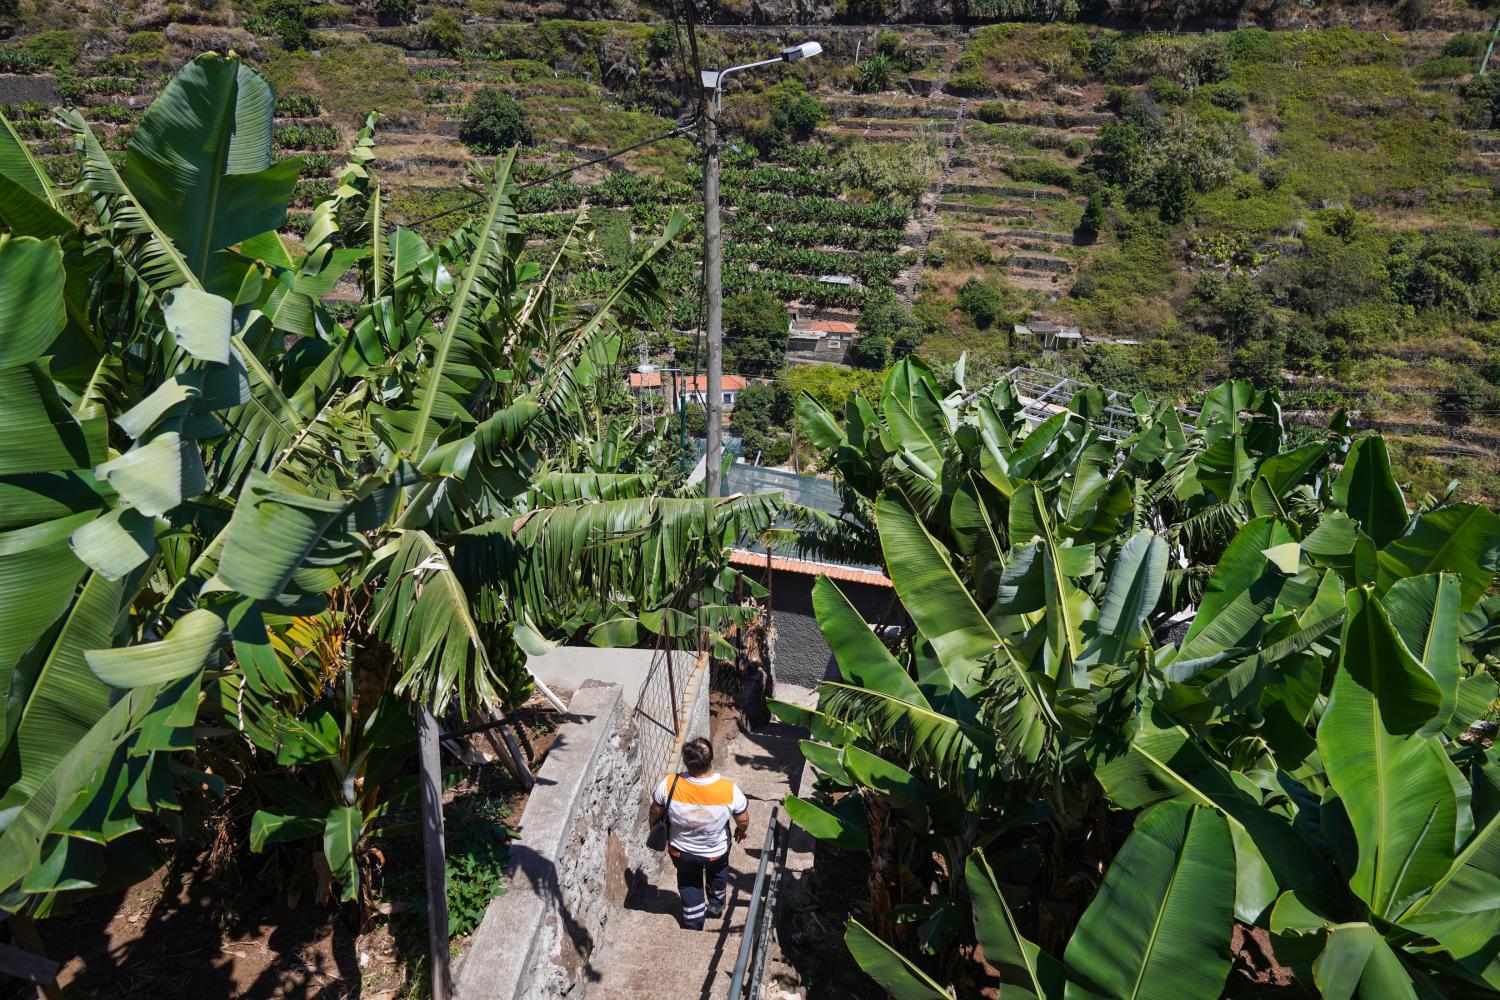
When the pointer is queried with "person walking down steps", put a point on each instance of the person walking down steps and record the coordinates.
(700, 807)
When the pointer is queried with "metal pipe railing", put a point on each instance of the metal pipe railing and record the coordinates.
(767, 918)
(747, 938)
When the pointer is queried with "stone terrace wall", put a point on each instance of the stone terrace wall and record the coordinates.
(582, 837)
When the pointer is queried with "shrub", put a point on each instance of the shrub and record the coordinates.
(993, 112)
(1076, 147)
(893, 47)
(967, 83)
(1101, 53)
(1031, 170)
(494, 122)
(1226, 95)
(1259, 362)
(1165, 91)
(1465, 45)
(663, 40)
(1174, 193)
(1093, 218)
(1450, 270)
(390, 12)
(980, 302)
(795, 113)
(54, 48)
(888, 331)
(145, 43)
(761, 411)
(872, 352)
(287, 20)
(443, 32)
(1113, 366)
(478, 847)
(1465, 395)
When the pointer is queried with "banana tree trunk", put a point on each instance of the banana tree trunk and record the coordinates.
(433, 852)
(29, 961)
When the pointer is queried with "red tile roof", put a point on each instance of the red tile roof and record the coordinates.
(831, 326)
(809, 567)
(688, 383)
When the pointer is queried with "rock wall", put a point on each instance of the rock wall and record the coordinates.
(41, 88)
(582, 839)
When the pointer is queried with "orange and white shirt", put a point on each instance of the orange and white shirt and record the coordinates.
(699, 815)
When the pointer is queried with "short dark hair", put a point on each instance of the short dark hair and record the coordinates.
(698, 755)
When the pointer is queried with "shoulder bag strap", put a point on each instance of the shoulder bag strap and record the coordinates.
(671, 794)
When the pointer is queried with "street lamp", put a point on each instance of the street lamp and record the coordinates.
(647, 368)
(713, 254)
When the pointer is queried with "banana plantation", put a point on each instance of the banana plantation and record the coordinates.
(244, 544)
(1165, 701)
(1161, 712)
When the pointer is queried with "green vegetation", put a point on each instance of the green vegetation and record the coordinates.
(442, 31)
(762, 415)
(495, 122)
(244, 543)
(755, 333)
(1045, 764)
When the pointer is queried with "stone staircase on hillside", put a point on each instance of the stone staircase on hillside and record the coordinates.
(1009, 186)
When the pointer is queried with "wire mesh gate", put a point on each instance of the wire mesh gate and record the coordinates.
(659, 712)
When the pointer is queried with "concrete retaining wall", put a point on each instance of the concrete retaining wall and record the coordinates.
(582, 834)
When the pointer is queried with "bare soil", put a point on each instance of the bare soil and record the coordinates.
(812, 937)
(253, 930)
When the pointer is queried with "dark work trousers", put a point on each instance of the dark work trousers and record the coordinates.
(692, 872)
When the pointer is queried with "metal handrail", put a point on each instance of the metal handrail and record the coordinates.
(747, 939)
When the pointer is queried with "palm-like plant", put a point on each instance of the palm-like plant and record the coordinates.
(200, 458)
(1296, 761)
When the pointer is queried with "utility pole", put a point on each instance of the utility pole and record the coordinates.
(713, 292)
(713, 257)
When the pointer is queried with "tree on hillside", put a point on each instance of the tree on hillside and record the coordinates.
(443, 32)
(287, 20)
(1466, 394)
(1093, 219)
(980, 302)
(755, 333)
(495, 122)
(795, 113)
(762, 418)
(888, 331)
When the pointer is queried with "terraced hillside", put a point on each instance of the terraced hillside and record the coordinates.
(1313, 209)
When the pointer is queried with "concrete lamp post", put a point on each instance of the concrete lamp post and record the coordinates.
(713, 254)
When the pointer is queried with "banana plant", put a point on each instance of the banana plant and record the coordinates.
(184, 485)
(1336, 647)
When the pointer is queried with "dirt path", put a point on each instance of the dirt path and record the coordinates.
(648, 956)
